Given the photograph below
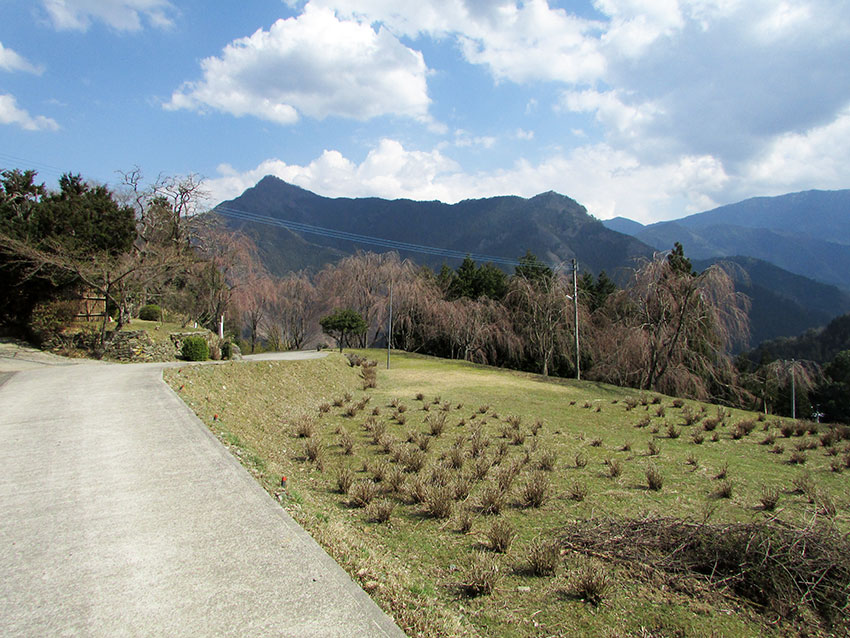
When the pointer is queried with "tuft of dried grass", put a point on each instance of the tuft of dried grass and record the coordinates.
(379, 511)
(654, 478)
(590, 581)
(480, 576)
(535, 491)
(577, 491)
(361, 493)
(543, 557)
(501, 535)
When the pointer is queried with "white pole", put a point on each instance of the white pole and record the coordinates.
(575, 303)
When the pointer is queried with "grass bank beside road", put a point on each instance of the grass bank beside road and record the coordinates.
(474, 501)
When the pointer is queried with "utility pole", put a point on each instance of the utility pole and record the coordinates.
(575, 304)
(793, 392)
(390, 326)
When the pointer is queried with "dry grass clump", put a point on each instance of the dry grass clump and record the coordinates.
(724, 490)
(439, 501)
(480, 576)
(672, 432)
(304, 427)
(697, 437)
(652, 448)
(500, 535)
(324, 408)
(722, 473)
(543, 557)
(370, 377)
(769, 498)
(361, 493)
(535, 491)
(547, 460)
(577, 491)
(313, 450)
(590, 581)
(464, 522)
(580, 459)
(492, 499)
(595, 442)
(346, 442)
(379, 511)
(436, 423)
(797, 458)
(344, 480)
(614, 466)
(654, 478)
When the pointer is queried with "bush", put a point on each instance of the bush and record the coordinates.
(48, 319)
(150, 312)
(226, 350)
(195, 348)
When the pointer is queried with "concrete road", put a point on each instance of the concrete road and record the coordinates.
(121, 515)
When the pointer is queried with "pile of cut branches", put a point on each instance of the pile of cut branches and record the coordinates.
(770, 563)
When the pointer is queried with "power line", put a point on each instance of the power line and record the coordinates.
(363, 239)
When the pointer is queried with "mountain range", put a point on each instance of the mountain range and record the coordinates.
(790, 263)
(806, 233)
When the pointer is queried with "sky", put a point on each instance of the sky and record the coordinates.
(647, 109)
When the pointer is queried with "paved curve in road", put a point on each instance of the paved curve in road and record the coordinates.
(122, 515)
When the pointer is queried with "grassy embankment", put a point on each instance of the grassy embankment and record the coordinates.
(599, 441)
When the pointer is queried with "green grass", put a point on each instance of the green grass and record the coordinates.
(412, 564)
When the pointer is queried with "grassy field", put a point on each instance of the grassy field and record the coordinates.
(487, 476)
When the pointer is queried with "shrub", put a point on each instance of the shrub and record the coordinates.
(195, 348)
(797, 458)
(654, 479)
(49, 318)
(150, 312)
(697, 437)
(580, 460)
(652, 448)
(543, 557)
(500, 535)
(481, 576)
(436, 422)
(672, 432)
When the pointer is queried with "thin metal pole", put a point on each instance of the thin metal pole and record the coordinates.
(390, 326)
(575, 303)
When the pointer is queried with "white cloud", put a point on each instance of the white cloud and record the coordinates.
(817, 158)
(10, 113)
(12, 61)
(519, 42)
(121, 15)
(315, 65)
(522, 134)
(388, 170)
(598, 176)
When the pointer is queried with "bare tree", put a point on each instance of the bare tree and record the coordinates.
(673, 329)
(541, 313)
